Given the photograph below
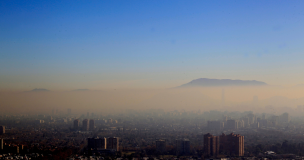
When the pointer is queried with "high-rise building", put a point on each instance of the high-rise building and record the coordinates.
(85, 125)
(263, 123)
(211, 144)
(255, 125)
(161, 146)
(251, 117)
(1, 144)
(21, 147)
(284, 118)
(76, 124)
(2, 130)
(246, 122)
(183, 147)
(232, 124)
(113, 143)
(49, 118)
(91, 143)
(241, 124)
(41, 116)
(101, 143)
(92, 125)
(274, 121)
(225, 118)
(215, 125)
(97, 143)
(88, 114)
(232, 144)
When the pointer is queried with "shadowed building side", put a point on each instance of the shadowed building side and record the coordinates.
(85, 125)
(92, 125)
(97, 143)
(2, 130)
(113, 143)
(232, 144)
(211, 145)
(182, 147)
(76, 124)
(160, 146)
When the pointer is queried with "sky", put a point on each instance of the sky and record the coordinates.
(66, 45)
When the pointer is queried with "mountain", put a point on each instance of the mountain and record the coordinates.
(81, 90)
(205, 82)
(40, 90)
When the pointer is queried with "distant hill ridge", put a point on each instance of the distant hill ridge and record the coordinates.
(81, 90)
(222, 82)
(40, 90)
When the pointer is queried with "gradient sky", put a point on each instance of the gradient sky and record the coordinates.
(148, 44)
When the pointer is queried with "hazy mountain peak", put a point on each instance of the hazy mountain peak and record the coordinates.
(81, 90)
(205, 82)
(40, 90)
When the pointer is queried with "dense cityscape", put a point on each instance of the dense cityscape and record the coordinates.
(151, 79)
(152, 134)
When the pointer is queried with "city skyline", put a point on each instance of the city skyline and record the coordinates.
(152, 80)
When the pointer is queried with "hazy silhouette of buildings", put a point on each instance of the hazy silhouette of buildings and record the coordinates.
(264, 116)
(92, 125)
(284, 118)
(255, 125)
(76, 124)
(274, 120)
(232, 124)
(251, 118)
(263, 122)
(85, 125)
(241, 124)
(246, 122)
(215, 125)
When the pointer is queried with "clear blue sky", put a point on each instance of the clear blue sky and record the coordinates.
(97, 44)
